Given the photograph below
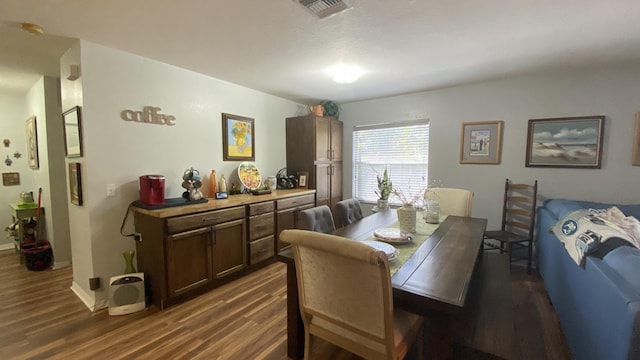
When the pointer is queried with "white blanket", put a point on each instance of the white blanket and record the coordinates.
(582, 231)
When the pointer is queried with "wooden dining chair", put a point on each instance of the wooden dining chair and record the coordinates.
(518, 220)
(318, 219)
(346, 299)
(347, 212)
(452, 201)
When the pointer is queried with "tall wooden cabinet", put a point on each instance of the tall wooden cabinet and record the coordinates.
(314, 144)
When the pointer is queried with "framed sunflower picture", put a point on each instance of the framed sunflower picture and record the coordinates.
(238, 138)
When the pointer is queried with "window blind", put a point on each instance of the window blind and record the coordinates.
(402, 147)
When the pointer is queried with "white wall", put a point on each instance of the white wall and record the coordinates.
(40, 101)
(118, 152)
(614, 92)
(12, 127)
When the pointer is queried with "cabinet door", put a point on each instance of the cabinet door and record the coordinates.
(336, 140)
(188, 260)
(286, 219)
(229, 248)
(336, 184)
(323, 184)
(323, 139)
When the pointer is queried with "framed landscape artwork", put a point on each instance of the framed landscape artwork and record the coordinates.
(238, 138)
(480, 142)
(573, 142)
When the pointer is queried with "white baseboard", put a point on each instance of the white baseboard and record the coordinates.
(92, 303)
(7, 246)
(60, 264)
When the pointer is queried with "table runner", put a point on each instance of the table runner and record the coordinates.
(423, 231)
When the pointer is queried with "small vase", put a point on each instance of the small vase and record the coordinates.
(407, 219)
(383, 204)
(432, 212)
(272, 183)
(128, 258)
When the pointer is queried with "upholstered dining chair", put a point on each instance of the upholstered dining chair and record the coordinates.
(518, 221)
(452, 201)
(318, 219)
(347, 212)
(346, 299)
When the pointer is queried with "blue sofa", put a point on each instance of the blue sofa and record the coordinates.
(599, 304)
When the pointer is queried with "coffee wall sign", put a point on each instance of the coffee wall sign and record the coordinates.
(149, 114)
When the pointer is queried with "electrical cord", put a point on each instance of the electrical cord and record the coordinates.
(136, 235)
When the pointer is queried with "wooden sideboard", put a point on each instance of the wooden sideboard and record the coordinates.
(188, 250)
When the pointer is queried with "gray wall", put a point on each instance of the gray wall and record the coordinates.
(614, 92)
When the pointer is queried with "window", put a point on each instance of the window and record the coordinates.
(402, 147)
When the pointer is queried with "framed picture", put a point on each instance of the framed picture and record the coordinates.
(75, 183)
(32, 143)
(635, 159)
(480, 142)
(72, 132)
(10, 179)
(238, 138)
(573, 142)
(303, 179)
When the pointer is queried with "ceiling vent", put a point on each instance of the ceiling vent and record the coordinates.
(324, 8)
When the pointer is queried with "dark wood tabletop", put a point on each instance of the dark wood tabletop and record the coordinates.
(434, 280)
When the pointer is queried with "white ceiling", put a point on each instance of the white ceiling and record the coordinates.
(277, 47)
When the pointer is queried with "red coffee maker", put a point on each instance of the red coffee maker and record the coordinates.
(152, 189)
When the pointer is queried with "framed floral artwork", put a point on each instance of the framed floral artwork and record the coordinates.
(32, 143)
(571, 142)
(238, 138)
(480, 142)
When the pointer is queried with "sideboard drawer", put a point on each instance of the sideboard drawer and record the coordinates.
(296, 201)
(182, 223)
(261, 250)
(261, 226)
(261, 208)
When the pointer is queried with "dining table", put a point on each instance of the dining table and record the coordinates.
(431, 273)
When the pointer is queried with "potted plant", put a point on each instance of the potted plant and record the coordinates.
(385, 188)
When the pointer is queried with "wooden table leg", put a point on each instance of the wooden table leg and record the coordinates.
(295, 327)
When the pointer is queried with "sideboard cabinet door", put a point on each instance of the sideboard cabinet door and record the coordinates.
(188, 260)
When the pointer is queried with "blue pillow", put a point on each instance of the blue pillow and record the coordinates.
(625, 260)
(562, 207)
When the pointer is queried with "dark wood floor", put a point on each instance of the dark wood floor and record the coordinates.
(41, 318)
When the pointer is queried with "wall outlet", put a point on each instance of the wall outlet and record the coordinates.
(94, 283)
(111, 190)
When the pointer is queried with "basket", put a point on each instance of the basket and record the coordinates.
(38, 255)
